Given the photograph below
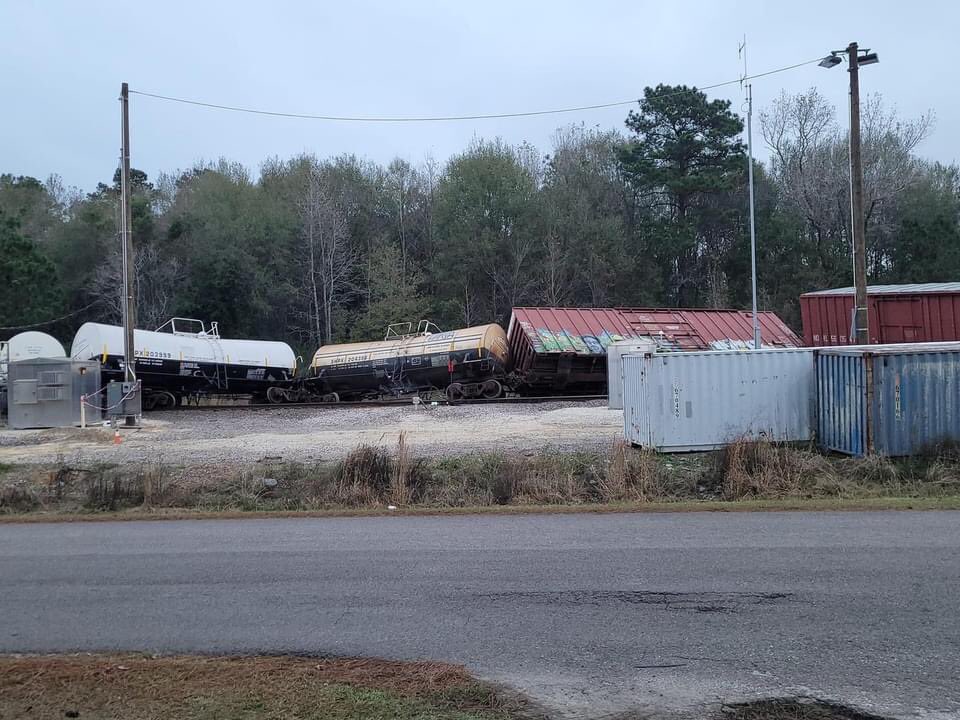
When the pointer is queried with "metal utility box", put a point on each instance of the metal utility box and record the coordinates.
(615, 352)
(892, 400)
(46, 392)
(685, 402)
(124, 399)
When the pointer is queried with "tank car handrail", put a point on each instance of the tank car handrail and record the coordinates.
(213, 332)
(424, 328)
(393, 332)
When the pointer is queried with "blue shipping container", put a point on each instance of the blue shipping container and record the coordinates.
(892, 400)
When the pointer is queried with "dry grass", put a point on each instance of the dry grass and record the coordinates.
(364, 475)
(372, 477)
(136, 687)
(750, 468)
(400, 478)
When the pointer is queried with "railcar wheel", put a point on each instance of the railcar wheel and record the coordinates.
(454, 392)
(276, 395)
(165, 400)
(331, 398)
(492, 389)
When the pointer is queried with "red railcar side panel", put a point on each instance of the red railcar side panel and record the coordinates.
(895, 317)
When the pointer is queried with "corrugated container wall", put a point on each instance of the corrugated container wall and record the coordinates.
(615, 353)
(927, 312)
(680, 402)
(892, 400)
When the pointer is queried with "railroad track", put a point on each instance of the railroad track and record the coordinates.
(398, 402)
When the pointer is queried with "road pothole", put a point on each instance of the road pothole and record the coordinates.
(792, 709)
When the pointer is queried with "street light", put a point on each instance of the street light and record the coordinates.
(861, 318)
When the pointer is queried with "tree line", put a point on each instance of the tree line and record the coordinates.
(318, 250)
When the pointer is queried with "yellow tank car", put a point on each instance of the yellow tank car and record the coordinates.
(470, 362)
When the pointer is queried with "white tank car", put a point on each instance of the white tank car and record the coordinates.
(183, 357)
(26, 346)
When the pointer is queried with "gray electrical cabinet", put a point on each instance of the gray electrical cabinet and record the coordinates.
(124, 399)
(46, 392)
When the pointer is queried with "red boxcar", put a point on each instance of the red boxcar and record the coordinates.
(708, 329)
(928, 312)
(565, 349)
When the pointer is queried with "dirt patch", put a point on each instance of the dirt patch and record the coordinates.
(137, 687)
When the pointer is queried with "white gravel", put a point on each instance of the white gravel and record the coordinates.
(242, 435)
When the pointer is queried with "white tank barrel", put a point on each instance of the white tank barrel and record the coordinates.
(32, 345)
(175, 364)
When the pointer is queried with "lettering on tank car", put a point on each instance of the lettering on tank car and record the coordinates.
(349, 359)
(152, 354)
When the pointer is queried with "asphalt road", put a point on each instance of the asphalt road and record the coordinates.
(590, 614)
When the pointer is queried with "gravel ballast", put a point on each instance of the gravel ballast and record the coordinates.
(241, 435)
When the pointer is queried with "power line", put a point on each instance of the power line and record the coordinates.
(454, 118)
(55, 320)
(348, 118)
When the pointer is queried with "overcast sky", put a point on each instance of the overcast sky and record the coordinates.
(61, 65)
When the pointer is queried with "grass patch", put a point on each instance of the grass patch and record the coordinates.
(373, 478)
(136, 687)
(679, 506)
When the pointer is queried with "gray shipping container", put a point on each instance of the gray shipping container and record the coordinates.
(615, 352)
(681, 402)
(46, 392)
(892, 400)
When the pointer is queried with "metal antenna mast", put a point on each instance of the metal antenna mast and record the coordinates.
(753, 229)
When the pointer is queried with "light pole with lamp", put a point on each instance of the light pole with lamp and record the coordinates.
(861, 317)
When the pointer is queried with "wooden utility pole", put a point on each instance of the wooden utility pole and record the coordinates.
(126, 230)
(861, 317)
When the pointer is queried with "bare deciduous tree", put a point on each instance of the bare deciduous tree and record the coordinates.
(329, 256)
(810, 162)
(157, 278)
